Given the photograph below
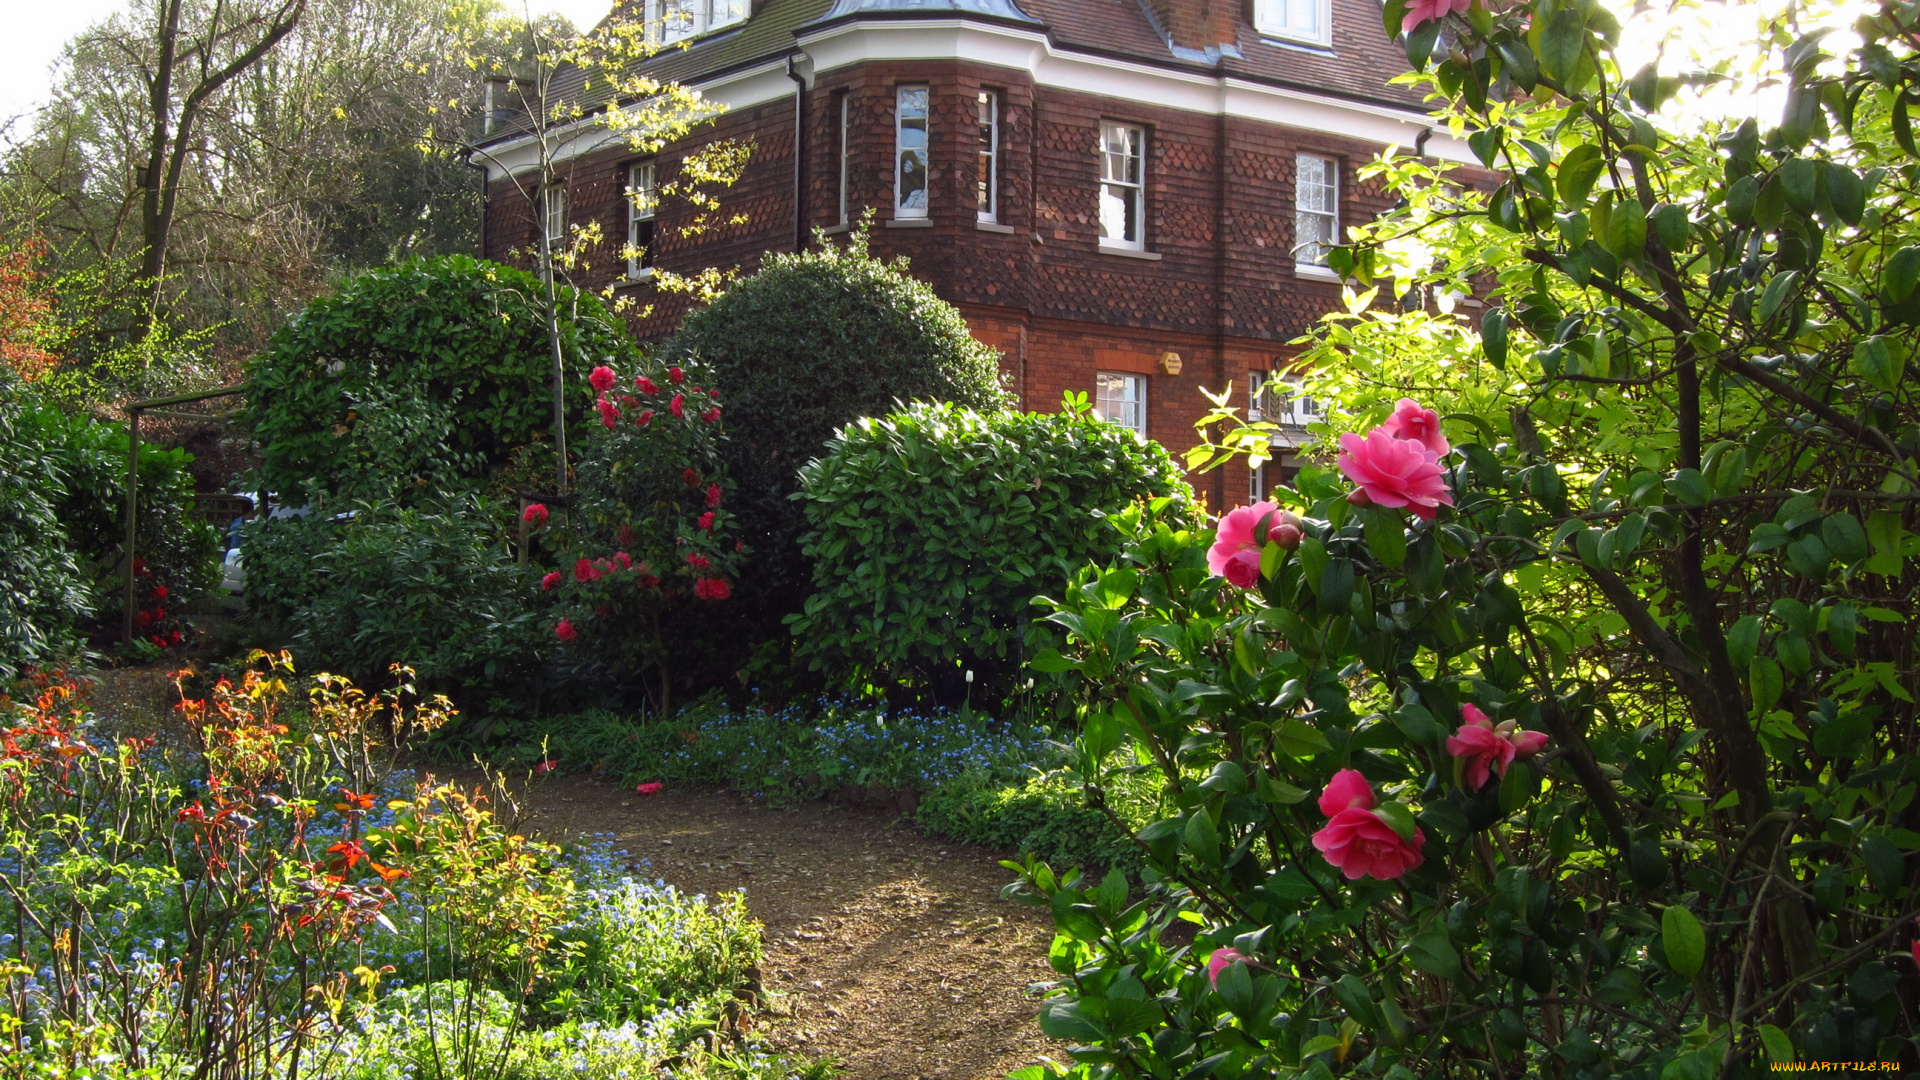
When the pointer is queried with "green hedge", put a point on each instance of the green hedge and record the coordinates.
(452, 330)
(934, 529)
(807, 344)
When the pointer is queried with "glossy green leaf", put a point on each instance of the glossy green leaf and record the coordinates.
(1683, 940)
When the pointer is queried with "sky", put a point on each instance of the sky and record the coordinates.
(36, 30)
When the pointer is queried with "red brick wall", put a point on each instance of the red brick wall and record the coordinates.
(1222, 294)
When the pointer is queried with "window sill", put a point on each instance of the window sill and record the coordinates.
(994, 227)
(1317, 273)
(1129, 253)
(640, 278)
(910, 223)
(1304, 44)
(836, 230)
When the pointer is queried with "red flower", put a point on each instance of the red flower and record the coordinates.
(623, 560)
(712, 588)
(677, 405)
(535, 515)
(583, 572)
(601, 379)
(139, 566)
(697, 560)
(552, 579)
(609, 412)
(690, 478)
(1358, 841)
(645, 385)
(173, 638)
(643, 419)
(676, 375)
(565, 631)
(158, 614)
(158, 640)
(1220, 961)
(706, 521)
(159, 592)
(653, 788)
(625, 534)
(649, 581)
(713, 496)
(711, 416)
(141, 619)
(714, 394)
(545, 767)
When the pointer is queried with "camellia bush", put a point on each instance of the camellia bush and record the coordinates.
(1566, 725)
(654, 531)
(914, 592)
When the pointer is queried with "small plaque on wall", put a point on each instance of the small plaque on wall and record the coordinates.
(1170, 363)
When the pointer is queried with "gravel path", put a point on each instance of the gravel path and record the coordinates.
(887, 950)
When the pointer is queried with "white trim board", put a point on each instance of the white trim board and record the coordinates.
(863, 41)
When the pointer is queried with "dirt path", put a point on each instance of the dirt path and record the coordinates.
(887, 950)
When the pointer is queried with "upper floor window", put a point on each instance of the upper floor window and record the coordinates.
(1279, 400)
(988, 183)
(1122, 185)
(910, 153)
(1308, 21)
(642, 204)
(553, 206)
(1122, 399)
(1316, 208)
(669, 21)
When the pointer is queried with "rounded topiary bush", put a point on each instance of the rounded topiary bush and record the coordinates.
(453, 331)
(807, 344)
(934, 529)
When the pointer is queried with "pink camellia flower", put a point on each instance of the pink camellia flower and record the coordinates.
(609, 412)
(1222, 959)
(711, 416)
(1357, 840)
(1916, 946)
(1243, 531)
(650, 789)
(1424, 11)
(1415, 424)
(565, 631)
(643, 419)
(690, 478)
(535, 514)
(1394, 472)
(623, 560)
(645, 385)
(584, 571)
(545, 767)
(706, 522)
(713, 496)
(678, 405)
(676, 376)
(601, 379)
(697, 560)
(550, 581)
(1477, 745)
(712, 588)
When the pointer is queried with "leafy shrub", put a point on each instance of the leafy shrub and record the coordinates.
(653, 533)
(281, 556)
(809, 343)
(179, 552)
(1041, 815)
(450, 329)
(433, 586)
(915, 588)
(42, 590)
(632, 949)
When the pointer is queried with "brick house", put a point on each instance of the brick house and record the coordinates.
(1126, 197)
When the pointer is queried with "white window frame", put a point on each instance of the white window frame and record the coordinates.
(1277, 399)
(1256, 483)
(900, 150)
(988, 162)
(1309, 22)
(1306, 209)
(846, 99)
(1129, 408)
(1129, 192)
(553, 215)
(670, 21)
(643, 178)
